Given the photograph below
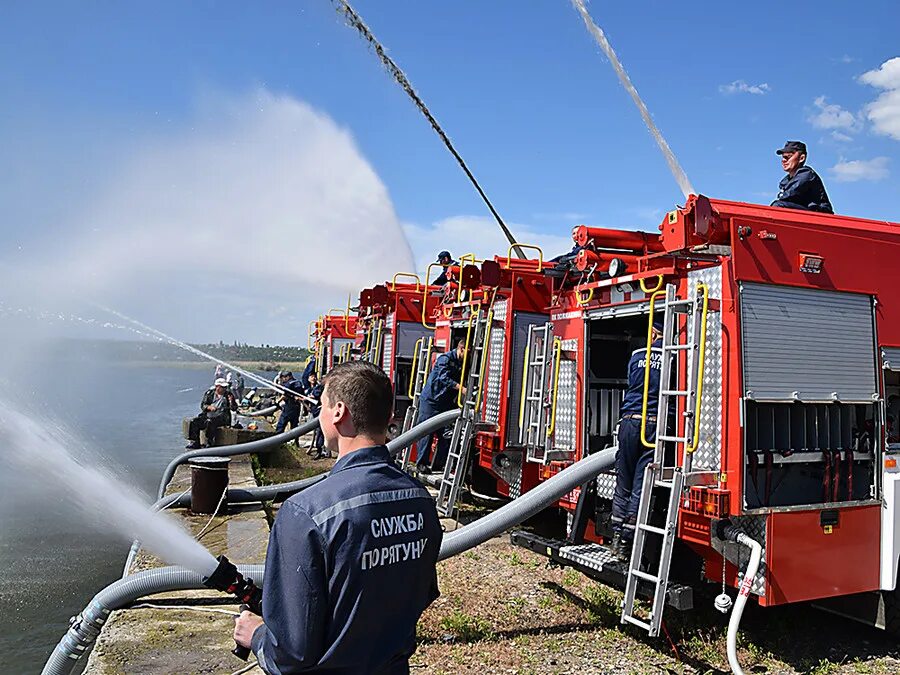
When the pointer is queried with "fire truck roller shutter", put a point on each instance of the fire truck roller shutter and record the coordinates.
(407, 334)
(522, 322)
(802, 344)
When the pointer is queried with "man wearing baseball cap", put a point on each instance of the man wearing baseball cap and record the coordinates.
(215, 412)
(445, 259)
(801, 188)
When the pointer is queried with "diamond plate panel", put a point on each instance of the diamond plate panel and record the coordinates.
(594, 556)
(570, 345)
(606, 484)
(737, 555)
(708, 456)
(388, 344)
(495, 355)
(499, 308)
(512, 473)
(566, 407)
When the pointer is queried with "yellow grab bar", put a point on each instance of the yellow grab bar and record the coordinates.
(408, 275)
(643, 284)
(696, 439)
(524, 383)
(425, 294)
(310, 334)
(557, 343)
(583, 301)
(412, 379)
(647, 359)
(341, 312)
(484, 354)
(509, 251)
(475, 312)
(378, 356)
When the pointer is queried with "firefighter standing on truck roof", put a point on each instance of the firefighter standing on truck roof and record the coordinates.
(801, 188)
(439, 395)
(633, 456)
(445, 259)
(351, 563)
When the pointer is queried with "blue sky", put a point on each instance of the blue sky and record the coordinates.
(93, 91)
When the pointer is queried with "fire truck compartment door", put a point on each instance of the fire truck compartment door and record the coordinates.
(804, 344)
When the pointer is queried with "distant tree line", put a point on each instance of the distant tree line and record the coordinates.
(238, 351)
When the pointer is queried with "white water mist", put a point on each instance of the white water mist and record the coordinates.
(595, 30)
(37, 454)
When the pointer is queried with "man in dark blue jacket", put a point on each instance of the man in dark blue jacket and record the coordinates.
(633, 456)
(801, 188)
(351, 563)
(314, 392)
(445, 259)
(439, 394)
(290, 412)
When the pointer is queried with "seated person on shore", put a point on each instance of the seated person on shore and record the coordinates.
(215, 412)
(316, 449)
(290, 411)
(801, 188)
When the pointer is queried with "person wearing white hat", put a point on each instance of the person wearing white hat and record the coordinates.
(215, 412)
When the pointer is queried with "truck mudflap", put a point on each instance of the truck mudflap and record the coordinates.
(596, 562)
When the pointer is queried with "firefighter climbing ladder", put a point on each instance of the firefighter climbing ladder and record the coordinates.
(421, 368)
(658, 474)
(464, 428)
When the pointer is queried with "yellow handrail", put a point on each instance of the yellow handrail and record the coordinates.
(412, 379)
(475, 312)
(647, 359)
(368, 341)
(310, 334)
(484, 354)
(408, 275)
(552, 426)
(524, 383)
(425, 295)
(581, 301)
(378, 353)
(643, 284)
(696, 439)
(347, 316)
(428, 359)
(509, 251)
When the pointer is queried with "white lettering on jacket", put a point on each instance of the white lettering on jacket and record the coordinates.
(390, 555)
(390, 525)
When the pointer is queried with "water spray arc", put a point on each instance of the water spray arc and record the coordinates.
(600, 37)
(356, 22)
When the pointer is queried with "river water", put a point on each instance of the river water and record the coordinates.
(51, 564)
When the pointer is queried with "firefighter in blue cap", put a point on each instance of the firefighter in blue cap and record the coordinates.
(445, 259)
(633, 456)
(351, 563)
(439, 395)
(801, 188)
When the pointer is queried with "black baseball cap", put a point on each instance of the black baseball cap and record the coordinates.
(443, 254)
(792, 146)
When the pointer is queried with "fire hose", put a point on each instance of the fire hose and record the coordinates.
(87, 625)
(728, 532)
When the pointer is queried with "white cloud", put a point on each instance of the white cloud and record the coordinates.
(479, 235)
(832, 116)
(262, 203)
(566, 217)
(846, 58)
(884, 111)
(851, 171)
(842, 137)
(741, 87)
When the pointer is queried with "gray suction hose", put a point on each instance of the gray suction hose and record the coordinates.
(522, 508)
(262, 445)
(265, 412)
(427, 427)
(86, 626)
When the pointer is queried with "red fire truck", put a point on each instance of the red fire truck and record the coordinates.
(331, 338)
(777, 414)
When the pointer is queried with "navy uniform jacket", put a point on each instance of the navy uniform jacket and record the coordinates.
(350, 568)
(310, 367)
(316, 393)
(634, 395)
(440, 387)
(804, 191)
(442, 278)
(292, 403)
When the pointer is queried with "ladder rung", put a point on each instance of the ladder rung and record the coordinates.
(636, 621)
(664, 483)
(676, 348)
(645, 576)
(652, 528)
(675, 392)
(677, 439)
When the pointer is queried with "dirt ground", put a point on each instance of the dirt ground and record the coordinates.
(504, 609)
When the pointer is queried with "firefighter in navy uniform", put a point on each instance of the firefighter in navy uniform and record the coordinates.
(801, 188)
(351, 563)
(439, 395)
(446, 260)
(633, 456)
(290, 413)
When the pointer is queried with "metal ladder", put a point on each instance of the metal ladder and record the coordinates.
(657, 474)
(464, 427)
(535, 391)
(420, 376)
(372, 354)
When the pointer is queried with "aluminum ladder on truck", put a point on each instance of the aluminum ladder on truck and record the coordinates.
(422, 366)
(536, 391)
(374, 343)
(659, 475)
(464, 427)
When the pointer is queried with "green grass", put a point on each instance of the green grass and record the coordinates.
(466, 628)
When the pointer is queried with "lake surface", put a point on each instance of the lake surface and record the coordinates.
(52, 563)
